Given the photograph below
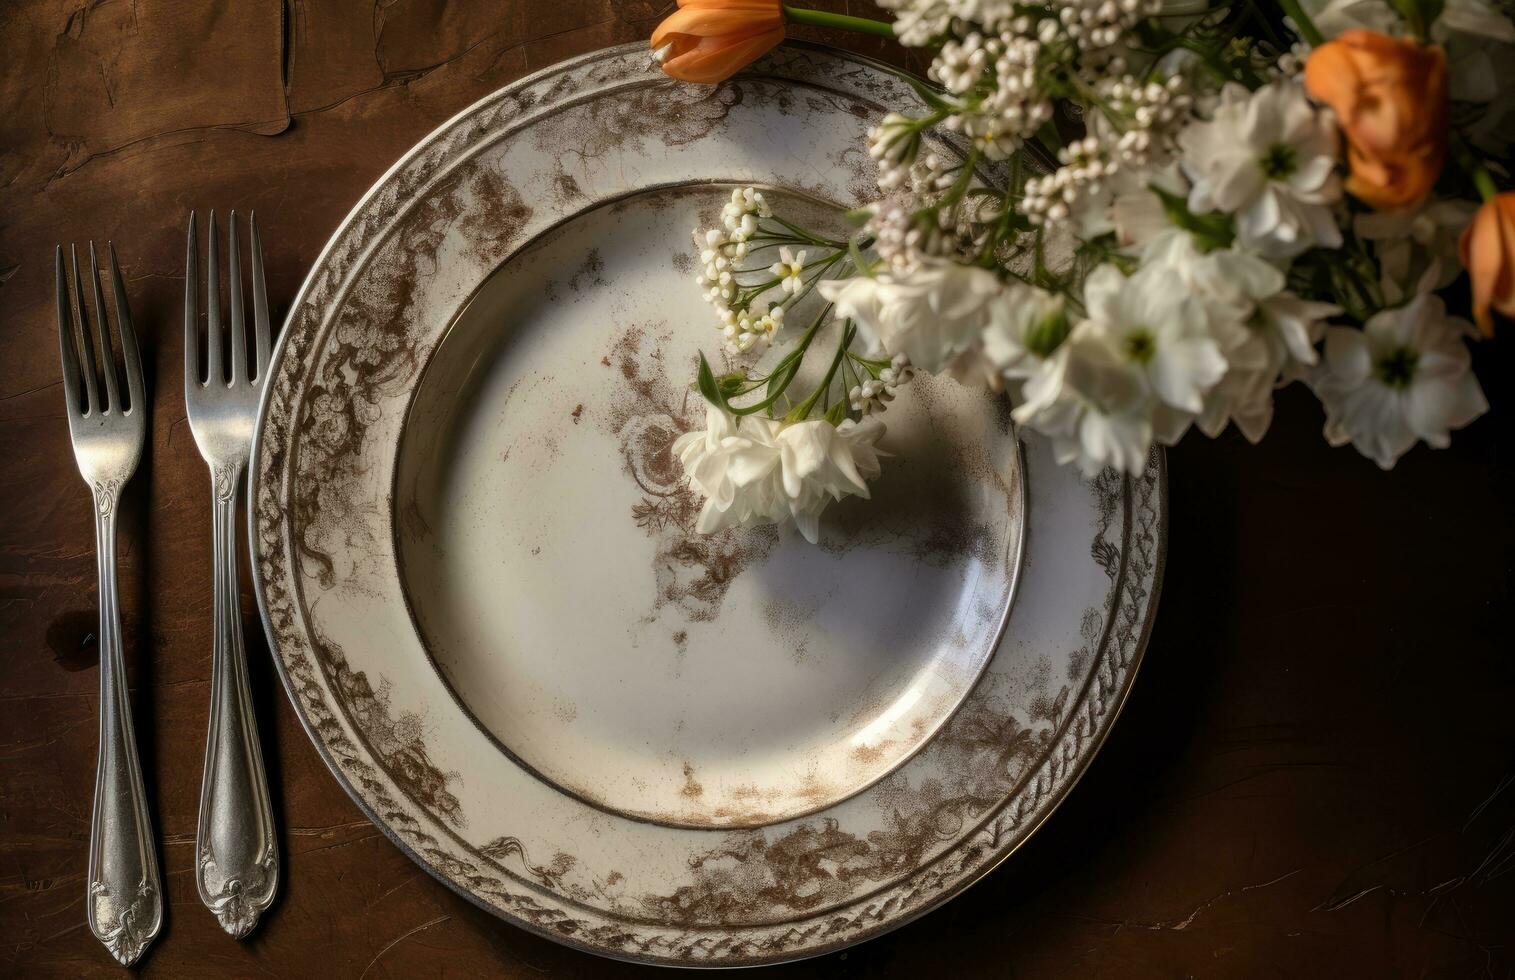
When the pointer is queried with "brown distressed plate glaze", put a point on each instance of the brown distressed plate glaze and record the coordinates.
(476, 558)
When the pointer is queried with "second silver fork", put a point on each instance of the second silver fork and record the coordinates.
(236, 854)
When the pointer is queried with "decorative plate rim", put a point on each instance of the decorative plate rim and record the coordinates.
(1106, 694)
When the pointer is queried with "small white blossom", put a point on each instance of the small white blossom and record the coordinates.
(1266, 334)
(759, 470)
(1135, 371)
(1269, 157)
(1090, 405)
(1156, 327)
(935, 316)
(1405, 376)
(1033, 325)
(790, 270)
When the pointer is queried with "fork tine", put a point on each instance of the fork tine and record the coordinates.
(238, 321)
(260, 299)
(130, 354)
(192, 376)
(216, 365)
(102, 325)
(81, 337)
(66, 346)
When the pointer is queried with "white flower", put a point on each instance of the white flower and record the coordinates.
(1227, 282)
(1404, 376)
(1137, 370)
(1094, 409)
(1033, 327)
(1279, 346)
(1153, 325)
(935, 314)
(761, 471)
(1265, 333)
(1416, 247)
(1269, 158)
(1228, 286)
(821, 462)
(733, 466)
(1292, 327)
(790, 269)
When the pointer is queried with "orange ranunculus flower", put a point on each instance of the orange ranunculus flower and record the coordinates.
(1390, 95)
(1488, 252)
(711, 40)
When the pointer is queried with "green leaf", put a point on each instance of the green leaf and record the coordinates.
(837, 412)
(1048, 333)
(708, 387)
(1209, 230)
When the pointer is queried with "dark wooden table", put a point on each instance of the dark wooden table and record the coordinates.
(1313, 777)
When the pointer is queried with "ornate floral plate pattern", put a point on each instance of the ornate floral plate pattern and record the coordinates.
(333, 509)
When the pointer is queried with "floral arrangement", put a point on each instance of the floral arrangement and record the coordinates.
(1233, 196)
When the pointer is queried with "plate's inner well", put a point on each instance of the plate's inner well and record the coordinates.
(549, 555)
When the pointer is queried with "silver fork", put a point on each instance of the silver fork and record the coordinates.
(236, 856)
(125, 899)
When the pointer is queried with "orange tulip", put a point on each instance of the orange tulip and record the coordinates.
(711, 40)
(1488, 252)
(1390, 95)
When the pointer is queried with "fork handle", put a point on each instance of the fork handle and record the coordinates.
(125, 898)
(236, 856)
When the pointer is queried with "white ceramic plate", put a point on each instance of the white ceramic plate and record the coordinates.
(477, 563)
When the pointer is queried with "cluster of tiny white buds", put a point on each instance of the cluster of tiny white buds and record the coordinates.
(741, 214)
(720, 251)
(874, 394)
(745, 329)
(1085, 167)
(890, 226)
(716, 256)
(1095, 24)
(899, 371)
(961, 63)
(1014, 107)
(1150, 115)
(918, 23)
(1154, 111)
(893, 145)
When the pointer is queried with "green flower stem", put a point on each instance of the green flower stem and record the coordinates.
(802, 411)
(820, 18)
(1307, 28)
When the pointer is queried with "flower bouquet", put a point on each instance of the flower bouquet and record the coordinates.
(1135, 217)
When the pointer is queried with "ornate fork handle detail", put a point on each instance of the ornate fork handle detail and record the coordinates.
(237, 858)
(125, 894)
